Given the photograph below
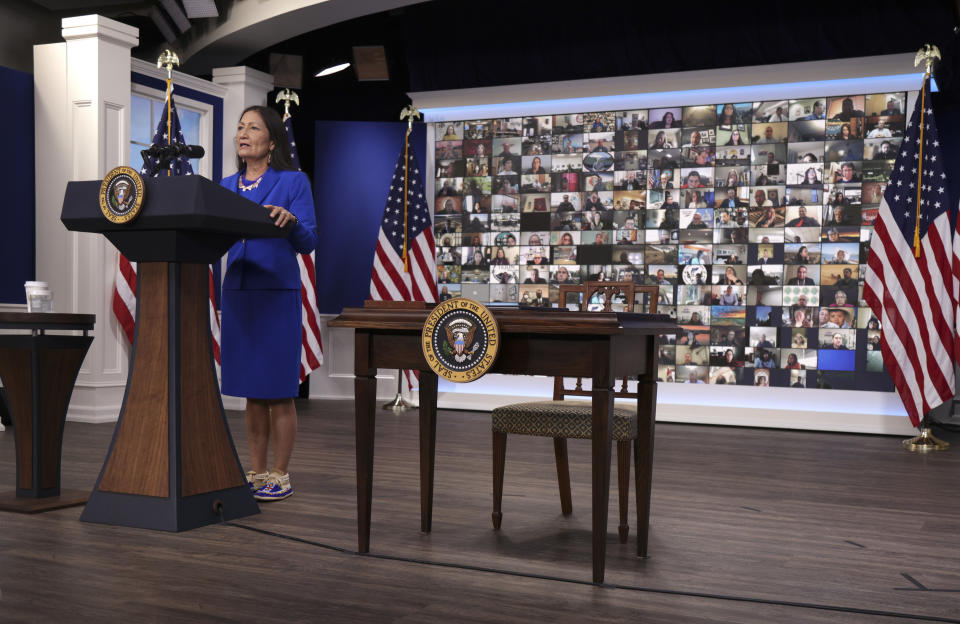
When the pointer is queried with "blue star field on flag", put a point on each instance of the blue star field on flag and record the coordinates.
(288, 124)
(181, 164)
(418, 215)
(901, 193)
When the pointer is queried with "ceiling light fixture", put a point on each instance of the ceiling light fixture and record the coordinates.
(332, 69)
(197, 9)
(179, 17)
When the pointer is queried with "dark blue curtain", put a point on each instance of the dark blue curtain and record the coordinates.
(354, 162)
(18, 210)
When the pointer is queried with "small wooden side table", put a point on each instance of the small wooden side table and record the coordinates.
(38, 371)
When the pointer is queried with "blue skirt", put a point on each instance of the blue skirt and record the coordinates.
(260, 343)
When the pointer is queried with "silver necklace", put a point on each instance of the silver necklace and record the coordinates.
(248, 187)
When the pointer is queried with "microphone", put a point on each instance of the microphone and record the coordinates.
(174, 151)
(191, 151)
(166, 153)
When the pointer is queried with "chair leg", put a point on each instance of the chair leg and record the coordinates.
(563, 475)
(623, 477)
(499, 460)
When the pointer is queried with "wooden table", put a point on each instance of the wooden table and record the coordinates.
(600, 346)
(38, 371)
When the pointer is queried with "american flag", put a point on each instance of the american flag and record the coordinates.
(914, 297)
(311, 348)
(391, 280)
(125, 283)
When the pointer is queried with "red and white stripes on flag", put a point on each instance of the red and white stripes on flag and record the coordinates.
(391, 283)
(214, 321)
(955, 287)
(125, 296)
(311, 351)
(311, 347)
(406, 226)
(915, 297)
(125, 304)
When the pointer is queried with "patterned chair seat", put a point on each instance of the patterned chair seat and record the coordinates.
(561, 419)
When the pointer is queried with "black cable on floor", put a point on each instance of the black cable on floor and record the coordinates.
(560, 579)
(293, 538)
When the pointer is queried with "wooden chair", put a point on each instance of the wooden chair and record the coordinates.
(559, 419)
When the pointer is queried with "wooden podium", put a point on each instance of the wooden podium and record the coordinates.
(172, 464)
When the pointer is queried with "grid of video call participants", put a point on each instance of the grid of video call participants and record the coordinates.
(754, 218)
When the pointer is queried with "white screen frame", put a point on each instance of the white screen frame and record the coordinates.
(811, 408)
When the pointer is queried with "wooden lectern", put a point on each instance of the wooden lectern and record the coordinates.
(172, 464)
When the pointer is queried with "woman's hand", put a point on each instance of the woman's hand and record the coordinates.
(281, 216)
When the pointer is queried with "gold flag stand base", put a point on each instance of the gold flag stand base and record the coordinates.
(925, 442)
(399, 404)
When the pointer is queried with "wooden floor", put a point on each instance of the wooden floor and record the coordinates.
(747, 526)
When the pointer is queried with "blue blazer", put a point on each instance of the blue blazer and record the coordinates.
(271, 263)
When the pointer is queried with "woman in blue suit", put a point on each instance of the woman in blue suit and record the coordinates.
(261, 332)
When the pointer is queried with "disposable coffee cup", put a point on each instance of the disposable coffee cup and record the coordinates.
(39, 297)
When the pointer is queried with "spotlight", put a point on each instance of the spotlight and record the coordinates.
(332, 69)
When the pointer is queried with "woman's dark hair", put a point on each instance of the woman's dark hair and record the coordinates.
(280, 158)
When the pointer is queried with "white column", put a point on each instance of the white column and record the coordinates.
(82, 108)
(245, 87)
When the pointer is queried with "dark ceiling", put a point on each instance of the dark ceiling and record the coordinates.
(131, 12)
(451, 44)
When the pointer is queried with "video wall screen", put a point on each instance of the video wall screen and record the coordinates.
(754, 218)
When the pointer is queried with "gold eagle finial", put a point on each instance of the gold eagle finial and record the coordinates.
(411, 114)
(926, 54)
(286, 96)
(168, 59)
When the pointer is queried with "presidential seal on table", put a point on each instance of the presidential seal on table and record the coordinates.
(460, 340)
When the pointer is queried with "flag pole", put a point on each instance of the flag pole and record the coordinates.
(311, 344)
(925, 442)
(398, 403)
(168, 59)
(410, 113)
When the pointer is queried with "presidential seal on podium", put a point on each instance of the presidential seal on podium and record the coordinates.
(460, 340)
(121, 195)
